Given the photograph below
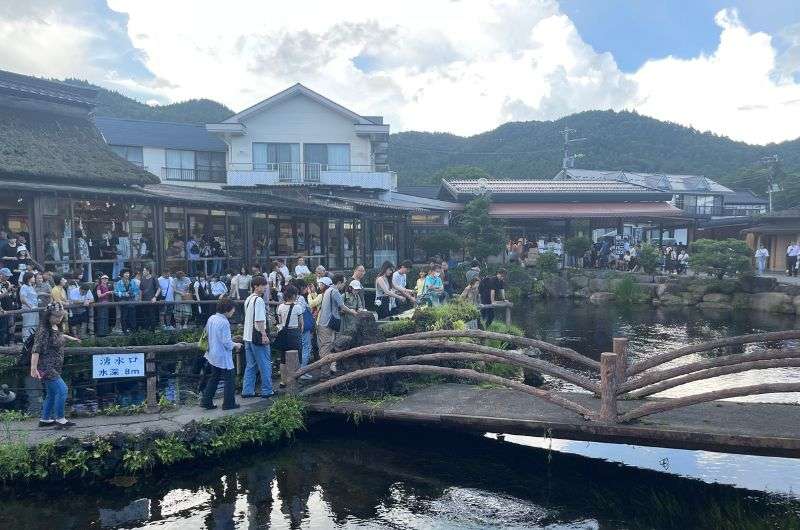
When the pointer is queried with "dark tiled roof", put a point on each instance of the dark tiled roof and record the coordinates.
(661, 181)
(497, 186)
(428, 192)
(43, 145)
(390, 201)
(34, 88)
(744, 197)
(190, 136)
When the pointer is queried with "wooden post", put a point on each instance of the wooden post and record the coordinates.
(608, 387)
(288, 370)
(91, 321)
(508, 313)
(152, 382)
(621, 349)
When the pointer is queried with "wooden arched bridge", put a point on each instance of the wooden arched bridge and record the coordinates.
(616, 407)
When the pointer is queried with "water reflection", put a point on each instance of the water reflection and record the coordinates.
(401, 478)
(589, 329)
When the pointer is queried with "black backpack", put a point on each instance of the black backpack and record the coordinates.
(24, 356)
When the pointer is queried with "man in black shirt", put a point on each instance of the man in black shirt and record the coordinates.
(492, 289)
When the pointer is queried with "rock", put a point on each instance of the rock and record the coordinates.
(579, 282)
(714, 306)
(773, 303)
(556, 287)
(791, 290)
(651, 289)
(661, 289)
(742, 301)
(758, 284)
(582, 293)
(697, 288)
(717, 298)
(598, 285)
(671, 299)
(601, 298)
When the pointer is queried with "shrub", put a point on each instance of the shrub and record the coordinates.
(576, 246)
(395, 328)
(628, 292)
(728, 257)
(648, 258)
(501, 327)
(547, 263)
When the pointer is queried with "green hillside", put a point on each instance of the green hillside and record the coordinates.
(115, 105)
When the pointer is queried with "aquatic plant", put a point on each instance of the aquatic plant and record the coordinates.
(628, 292)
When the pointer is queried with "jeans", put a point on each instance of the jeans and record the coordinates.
(128, 314)
(53, 406)
(215, 376)
(305, 347)
(761, 263)
(791, 263)
(258, 359)
(119, 264)
(488, 315)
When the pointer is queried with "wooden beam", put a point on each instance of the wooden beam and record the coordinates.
(608, 387)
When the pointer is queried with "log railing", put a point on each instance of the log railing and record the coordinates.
(619, 380)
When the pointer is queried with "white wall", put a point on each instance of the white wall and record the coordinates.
(299, 120)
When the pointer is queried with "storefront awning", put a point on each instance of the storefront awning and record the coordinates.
(583, 210)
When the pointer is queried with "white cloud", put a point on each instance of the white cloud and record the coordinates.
(459, 66)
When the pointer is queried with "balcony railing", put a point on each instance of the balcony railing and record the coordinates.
(197, 174)
(702, 211)
(368, 176)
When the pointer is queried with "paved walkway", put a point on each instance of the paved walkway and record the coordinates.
(782, 278)
(103, 425)
(753, 428)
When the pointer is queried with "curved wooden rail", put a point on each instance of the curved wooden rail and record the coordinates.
(461, 373)
(711, 373)
(657, 360)
(714, 362)
(566, 353)
(665, 405)
(509, 355)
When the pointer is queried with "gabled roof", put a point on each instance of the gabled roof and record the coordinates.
(298, 89)
(168, 135)
(27, 87)
(744, 197)
(661, 181)
(39, 146)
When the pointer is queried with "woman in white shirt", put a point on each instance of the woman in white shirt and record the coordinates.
(290, 323)
(301, 270)
(240, 285)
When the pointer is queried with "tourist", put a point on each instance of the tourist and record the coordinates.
(147, 315)
(240, 284)
(183, 285)
(284, 269)
(356, 291)
(471, 293)
(400, 283)
(7, 295)
(29, 300)
(474, 271)
(103, 294)
(301, 270)
(386, 295)
(218, 288)
(47, 361)
(492, 290)
(256, 342)
(126, 290)
(80, 299)
(791, 258)
(201, 292)
(277, 281)
(306, 338)
(290, 324)
(446, 283)
(315, 294)
(166, 293)
(329, 320)
(220, 357)
(192, 255)
(320, 272)
(58, 294)
(122, 249)
(761, 256)
(433, 289)
(419, 287)
(683, 261)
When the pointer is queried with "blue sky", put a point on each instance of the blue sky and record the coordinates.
(730, 67)
(637, 30)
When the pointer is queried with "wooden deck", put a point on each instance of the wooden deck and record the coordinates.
(734, 427)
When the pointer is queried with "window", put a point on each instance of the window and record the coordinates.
(180, 165)
(174, 237)
(235, 241)
(283, 158)
(331, 157)
(142, 232)
(334, 243)
(384, 245)
(132, 154)
(427, 219)
(210, 166)
(353, 243)
(261, 244)
(56, 216)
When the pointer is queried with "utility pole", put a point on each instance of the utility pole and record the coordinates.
(772, 162)
(569, 159)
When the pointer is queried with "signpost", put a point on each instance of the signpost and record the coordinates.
(118, 365)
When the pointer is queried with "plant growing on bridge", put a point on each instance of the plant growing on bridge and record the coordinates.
(483, 235)
(729, 257)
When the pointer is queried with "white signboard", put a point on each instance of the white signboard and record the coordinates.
(117, 365)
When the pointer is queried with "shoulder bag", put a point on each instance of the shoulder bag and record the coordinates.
(334, 323)
(257, 339)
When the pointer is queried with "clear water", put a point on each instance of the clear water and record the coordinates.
(339, 476)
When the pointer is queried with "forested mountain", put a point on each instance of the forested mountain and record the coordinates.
(115, 105)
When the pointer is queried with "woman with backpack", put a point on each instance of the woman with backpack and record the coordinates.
(308, 322)
(290, 323)
(47, 362)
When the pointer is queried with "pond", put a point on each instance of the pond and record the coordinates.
(343, 476)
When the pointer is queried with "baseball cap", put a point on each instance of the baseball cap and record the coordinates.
(355, 284)
(5, 272)
(325, 280)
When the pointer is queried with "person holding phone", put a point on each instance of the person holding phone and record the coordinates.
(47, 362)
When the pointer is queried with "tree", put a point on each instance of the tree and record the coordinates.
(441, 242)
(483, 235)
(729, 257)
(648, 258)
(577, 246)
(461, 173)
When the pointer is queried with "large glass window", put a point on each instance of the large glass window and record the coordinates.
(132, 154)
(261, 243)
(314, 238)
(285, 239)
(332, 157)
(235, 241)
(180, 165)
(103, 228)
(56, 215)
(142, 233)
(283, 158)
(210, 166)
(352, 243)
(333, 246)
(175, 237)
(384, 244)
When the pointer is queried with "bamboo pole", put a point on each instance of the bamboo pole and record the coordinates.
(461, 373)
(714, 362)
(608, 387)
(654, 407)
(657, 360)
(567, 353)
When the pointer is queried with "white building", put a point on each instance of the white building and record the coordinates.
(300, 137)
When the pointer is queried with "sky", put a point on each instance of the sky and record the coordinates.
(460, 66)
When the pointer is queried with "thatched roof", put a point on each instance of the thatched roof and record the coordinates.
(54, 147)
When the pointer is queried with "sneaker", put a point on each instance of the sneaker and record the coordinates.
(236, 406)
(333, 368)
(306, 377)
(49, 423)
(64, 425)
(247, 396)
